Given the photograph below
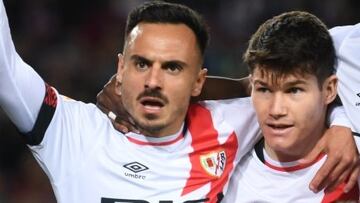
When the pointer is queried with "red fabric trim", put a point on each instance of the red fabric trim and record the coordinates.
(50, 96)
(294, 168)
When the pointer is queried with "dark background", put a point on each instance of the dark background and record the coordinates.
(73, 45)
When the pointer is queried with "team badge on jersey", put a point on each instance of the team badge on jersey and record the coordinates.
(214, 162)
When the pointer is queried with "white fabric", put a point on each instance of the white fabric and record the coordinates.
(84, 156)
(22, 91)
(347, 44)
(339, 117)
(253, 181)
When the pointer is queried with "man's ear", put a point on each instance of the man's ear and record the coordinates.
(119, 74)
(330, 88)
(199, 83)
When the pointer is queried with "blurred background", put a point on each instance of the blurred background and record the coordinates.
(73, 45)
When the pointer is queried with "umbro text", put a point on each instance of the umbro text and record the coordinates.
(136, 176)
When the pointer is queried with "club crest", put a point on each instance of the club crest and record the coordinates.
(214, 163)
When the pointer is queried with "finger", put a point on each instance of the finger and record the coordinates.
(134, 129)
(126, 122)
(125, 127)
(132, 126)
(318, 149)
(339, 173)
(334, 183)
(353, 179)
(120, 127)
(311, 156)
(320, 180)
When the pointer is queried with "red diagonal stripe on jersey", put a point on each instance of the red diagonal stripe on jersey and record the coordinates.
(205, 140)
(338, 195)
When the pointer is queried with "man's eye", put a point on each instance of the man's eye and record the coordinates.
(141, 64)
(262, 89)
(173, 68)
(295, 90)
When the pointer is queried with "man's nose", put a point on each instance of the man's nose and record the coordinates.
(278, 106)
(154, 78)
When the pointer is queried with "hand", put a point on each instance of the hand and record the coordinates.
(342, 163)
(111, 104)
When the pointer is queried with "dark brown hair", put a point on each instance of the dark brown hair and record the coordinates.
(292, 43)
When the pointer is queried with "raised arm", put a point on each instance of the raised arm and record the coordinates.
(21, 88)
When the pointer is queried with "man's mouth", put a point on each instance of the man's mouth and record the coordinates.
(152, 102)
(279, 126)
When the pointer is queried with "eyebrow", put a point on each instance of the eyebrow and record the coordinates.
(175, 62)
(291, 83)
(148, 61)
(140, 58)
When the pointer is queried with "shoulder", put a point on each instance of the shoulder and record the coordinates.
(340, 34)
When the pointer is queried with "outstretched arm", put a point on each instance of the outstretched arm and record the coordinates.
(21, 88)
(217, 87)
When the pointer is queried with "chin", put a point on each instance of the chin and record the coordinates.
(281, 146)
(150, 125)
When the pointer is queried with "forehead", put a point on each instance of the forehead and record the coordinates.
(163, 40)
(276, 78)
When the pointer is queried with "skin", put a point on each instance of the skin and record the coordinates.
(159, 72)
(291, 110)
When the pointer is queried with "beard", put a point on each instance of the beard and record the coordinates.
(150, 127)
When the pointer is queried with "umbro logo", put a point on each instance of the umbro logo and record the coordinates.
(358, 94)
(135, 167)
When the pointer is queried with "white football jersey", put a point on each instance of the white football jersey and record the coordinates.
(347, 44)
(259, 179)
(87, 160)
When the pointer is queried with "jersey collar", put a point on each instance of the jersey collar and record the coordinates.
(281, 166)
(143, 140)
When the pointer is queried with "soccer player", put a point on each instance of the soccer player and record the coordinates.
(184, 154)
(292, 65)
(176, 159)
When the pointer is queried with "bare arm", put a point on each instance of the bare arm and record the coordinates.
(217, 87)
